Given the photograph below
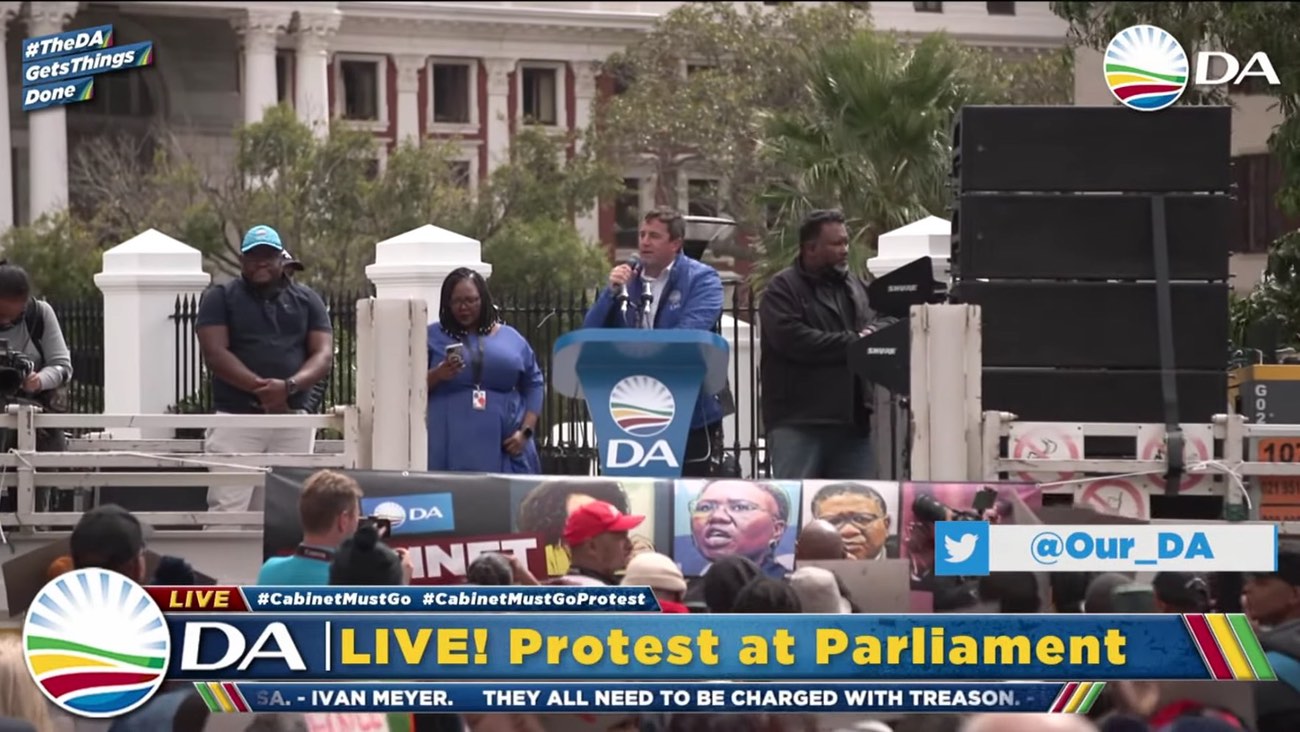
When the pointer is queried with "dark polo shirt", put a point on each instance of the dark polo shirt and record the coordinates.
(268, 334)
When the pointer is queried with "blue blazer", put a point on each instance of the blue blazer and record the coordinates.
(692, 300)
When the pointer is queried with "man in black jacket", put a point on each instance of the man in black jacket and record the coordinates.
(1273, 602)
(816, 412)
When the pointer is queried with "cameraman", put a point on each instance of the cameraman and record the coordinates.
(33, 354)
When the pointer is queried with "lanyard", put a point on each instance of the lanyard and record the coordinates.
(476, 363)
(311, 552)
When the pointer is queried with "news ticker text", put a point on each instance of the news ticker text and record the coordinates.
(659, 647)
(606, 698)
(453, 599)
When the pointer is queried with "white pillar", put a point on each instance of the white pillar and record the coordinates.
(930, 237)
(408, 96)
(47, 129)
(316, 30)
(141, 279)
(584, 94)
(498, 110)
(415, 264)
(259, 29)
(946, 373)
(392, 343)
(8, 10)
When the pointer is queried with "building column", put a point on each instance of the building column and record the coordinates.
(408, 97)
(584, 95)
(311, 80)
(8, 11)
(47, 129)
(498, 110)
(258, 29)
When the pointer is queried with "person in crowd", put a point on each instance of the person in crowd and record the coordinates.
(859, 512)
(819, 540)
(485, 387)
(1028, 723)
(741, 517)
(546, 508)
(109, 537)
(490, 570)
(767, 595)
(20, 699)
(1068, 590)
(816, 411)
(1272, 601)
(597, 536)
(1181, 592)
(267, 340)
(819, 591)
(362, 559)
(1013, 592)
(668, 290)
(724, 581)
(1100, 597)
(329, 510)
(661, 574)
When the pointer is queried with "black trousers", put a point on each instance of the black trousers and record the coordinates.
(703, 452)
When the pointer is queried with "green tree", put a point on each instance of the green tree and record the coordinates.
(873, 139)
(1241, 29)
(60, 253)
(697, 84)
(322, 193)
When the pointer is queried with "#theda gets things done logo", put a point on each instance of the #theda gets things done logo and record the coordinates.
(61, 68)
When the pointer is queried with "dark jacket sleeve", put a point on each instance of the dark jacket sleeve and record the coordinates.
(783, 328)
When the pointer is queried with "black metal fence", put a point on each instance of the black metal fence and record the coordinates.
(564, 433)
(82, 323)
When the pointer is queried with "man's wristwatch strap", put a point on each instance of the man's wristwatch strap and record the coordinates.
(290, 386)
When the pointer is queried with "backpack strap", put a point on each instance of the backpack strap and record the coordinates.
(34, 319)
(1286, 668)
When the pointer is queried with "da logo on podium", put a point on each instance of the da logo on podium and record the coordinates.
(643, 408)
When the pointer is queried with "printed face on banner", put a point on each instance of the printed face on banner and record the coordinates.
(865, 512)
(755, 519)
(542, 506)
(924, 503)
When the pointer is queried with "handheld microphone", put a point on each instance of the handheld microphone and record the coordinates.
(620, 291)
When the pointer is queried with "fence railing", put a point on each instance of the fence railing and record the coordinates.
(564, 433)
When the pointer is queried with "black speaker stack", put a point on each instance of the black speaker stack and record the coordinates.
(1096, 241)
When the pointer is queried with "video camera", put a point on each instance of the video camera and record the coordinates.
(15, 367)
(928, 509)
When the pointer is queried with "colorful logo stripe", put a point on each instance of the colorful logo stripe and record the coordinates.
(221, 696)
(1077, 697)
(1229, 647)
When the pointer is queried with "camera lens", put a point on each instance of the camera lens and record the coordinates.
(929, 509)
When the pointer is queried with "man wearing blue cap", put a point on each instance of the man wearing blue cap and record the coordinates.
(268, 341)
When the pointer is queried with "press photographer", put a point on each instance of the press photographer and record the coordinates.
(950, 593)
(35, 364)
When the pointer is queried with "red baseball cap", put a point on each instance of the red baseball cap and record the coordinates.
(594, 519)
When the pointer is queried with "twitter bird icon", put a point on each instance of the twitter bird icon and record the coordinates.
(961, 548)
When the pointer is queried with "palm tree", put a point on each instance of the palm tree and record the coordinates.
(872, 139)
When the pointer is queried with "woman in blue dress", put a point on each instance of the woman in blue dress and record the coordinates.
(485, 387)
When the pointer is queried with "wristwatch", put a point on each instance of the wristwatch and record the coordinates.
(290, 387)
(528, 433)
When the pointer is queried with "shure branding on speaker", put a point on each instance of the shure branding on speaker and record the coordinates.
(903, 288)
(877, 351)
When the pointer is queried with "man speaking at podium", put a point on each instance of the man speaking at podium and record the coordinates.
(665, 289)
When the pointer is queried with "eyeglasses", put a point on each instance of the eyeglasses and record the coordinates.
(461, 302)
(735, 507)
(861, 520)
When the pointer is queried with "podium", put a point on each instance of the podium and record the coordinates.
(641, 388)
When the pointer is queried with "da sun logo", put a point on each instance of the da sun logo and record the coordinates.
(1146, 68)
(96, 644)
(643, 407)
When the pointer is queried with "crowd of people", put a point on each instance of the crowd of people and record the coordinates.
(340, 546)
